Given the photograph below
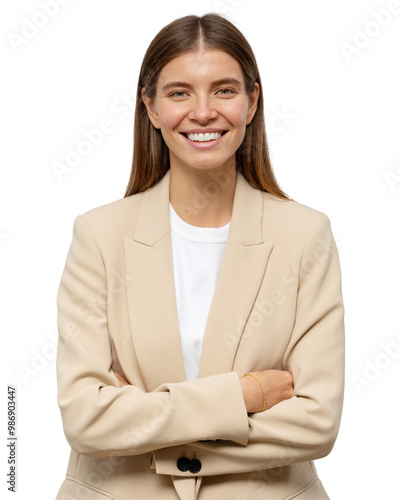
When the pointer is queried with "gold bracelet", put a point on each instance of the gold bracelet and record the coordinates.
(261, 387)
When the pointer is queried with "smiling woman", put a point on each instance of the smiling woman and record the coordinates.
(215, 369)
(184, 111)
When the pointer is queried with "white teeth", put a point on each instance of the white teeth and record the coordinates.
(204, 137)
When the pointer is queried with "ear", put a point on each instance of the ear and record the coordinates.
(253, 103)
(151, 109)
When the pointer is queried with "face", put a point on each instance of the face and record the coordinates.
(202, 109)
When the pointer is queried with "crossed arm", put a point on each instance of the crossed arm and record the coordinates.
(218, 415)
(277, 385)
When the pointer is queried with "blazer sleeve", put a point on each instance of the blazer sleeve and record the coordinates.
(99, 418)
(304, 427)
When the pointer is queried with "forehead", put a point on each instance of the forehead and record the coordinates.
(201, 65)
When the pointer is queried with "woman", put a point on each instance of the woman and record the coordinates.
(201, 340)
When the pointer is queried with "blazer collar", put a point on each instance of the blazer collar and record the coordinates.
(150, 287)
(154, 219)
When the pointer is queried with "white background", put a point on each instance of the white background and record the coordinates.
(330, 68)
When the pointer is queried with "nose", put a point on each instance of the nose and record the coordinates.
(202, 109)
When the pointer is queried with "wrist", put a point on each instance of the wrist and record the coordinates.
(261, 389)
(253, 393)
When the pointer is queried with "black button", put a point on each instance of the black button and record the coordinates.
(183, 464)
(194, 466)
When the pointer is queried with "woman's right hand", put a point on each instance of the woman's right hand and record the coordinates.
(277, 385)
(121, 381)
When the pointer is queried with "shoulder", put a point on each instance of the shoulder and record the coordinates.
(289, 208)
(114, 209)
(117, 217)
(292, 219)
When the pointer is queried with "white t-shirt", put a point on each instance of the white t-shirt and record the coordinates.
(197, 257)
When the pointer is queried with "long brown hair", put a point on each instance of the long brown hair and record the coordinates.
(150, 153)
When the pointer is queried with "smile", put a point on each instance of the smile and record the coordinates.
(204, 137)
(207, 137)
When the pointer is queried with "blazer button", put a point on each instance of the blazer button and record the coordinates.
(194, 466)
(183, 464)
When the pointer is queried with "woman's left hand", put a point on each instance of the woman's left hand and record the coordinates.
(122, 382)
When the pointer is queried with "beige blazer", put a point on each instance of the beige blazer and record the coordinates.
(277, 305)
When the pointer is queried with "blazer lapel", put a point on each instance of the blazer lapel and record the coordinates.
(242, 271)
(150, 289)
(151, 295)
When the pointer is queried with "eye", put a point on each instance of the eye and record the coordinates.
(227, 92)
(178, 93)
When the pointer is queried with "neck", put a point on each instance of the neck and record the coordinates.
(203, 198)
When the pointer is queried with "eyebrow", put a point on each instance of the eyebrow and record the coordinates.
(221, 81)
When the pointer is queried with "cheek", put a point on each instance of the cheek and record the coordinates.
(170, 118)
(237, 114)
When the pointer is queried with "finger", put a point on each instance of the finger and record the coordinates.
(122, 382)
